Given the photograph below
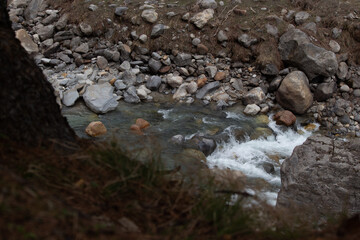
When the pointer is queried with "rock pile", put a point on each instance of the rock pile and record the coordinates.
(81, 62)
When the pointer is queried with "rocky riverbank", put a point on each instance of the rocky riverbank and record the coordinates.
(319, 78)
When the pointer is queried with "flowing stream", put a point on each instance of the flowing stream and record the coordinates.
(253, 145)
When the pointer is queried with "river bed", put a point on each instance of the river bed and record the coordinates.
(253, 145)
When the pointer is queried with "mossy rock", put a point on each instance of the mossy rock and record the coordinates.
(310, 127)
(261, 133)
(262, 119)
(194, 154)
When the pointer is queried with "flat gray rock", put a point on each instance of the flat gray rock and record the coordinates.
(70, 97)
(207, 88)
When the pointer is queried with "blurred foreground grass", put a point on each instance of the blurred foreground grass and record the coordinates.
(100, 193)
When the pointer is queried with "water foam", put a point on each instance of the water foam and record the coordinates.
(250, 155)
(165, 113)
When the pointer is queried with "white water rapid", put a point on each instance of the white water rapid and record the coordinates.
(250, 155)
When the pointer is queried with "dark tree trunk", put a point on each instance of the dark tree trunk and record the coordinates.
(29, 113)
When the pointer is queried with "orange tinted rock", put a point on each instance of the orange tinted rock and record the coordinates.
(95, 129)
(135, 127)
(142, 123)
(201, 82)
(202, 49)
(165, 69)
(239, 11)
(126, 48)
(220, 76)
(112, 81)
(286, 118)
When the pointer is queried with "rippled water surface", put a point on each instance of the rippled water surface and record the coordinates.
(240, 146)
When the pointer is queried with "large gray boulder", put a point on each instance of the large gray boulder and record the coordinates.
(100, 98)
(322, 176)
(294, 93)
(296, 50)
(290, 41)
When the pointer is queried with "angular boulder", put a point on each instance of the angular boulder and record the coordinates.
(158, 30)
(174, 81)
(100, 98)
(324, 91)
(153, 83)
(70, 97)
(294, 93)
(206, 89)
(33, 8)
(150, 15)
(201, 19)
(296, 49)
(254, 96)
(182, 59)
(26, 42)
(181, 91)
(322, 176)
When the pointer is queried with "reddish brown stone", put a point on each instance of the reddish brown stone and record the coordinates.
(142, 123)
(135, 127)
(220, 76)
(165, 69)
(201, 82)
(95, 129)
(202, 49)
(112, 81)
(286, 118)
(239, 11)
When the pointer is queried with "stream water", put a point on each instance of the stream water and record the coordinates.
(244, 143)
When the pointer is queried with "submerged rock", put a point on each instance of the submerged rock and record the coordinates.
(142, 123)
(95, 129)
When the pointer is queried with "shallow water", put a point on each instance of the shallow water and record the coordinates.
(234, 151)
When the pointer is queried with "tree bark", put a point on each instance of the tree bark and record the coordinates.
(29, 113)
